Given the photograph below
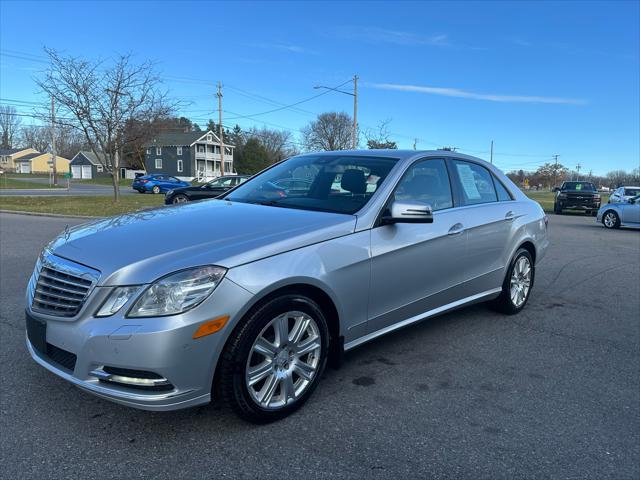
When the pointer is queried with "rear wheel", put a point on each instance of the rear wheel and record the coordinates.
(155, 189)
(517, 284)
(274, 359)
(611, 220)
(180, 199)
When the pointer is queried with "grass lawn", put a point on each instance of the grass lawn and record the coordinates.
(98, 206)
(10, 182)
(124, 182)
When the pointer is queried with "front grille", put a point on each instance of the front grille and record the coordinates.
(63, 358)
(59, 293)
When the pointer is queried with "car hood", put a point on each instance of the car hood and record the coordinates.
(140, 247)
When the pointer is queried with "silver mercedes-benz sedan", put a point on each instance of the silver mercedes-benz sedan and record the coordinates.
(247, 298)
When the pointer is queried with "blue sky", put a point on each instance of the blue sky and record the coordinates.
(537, 78)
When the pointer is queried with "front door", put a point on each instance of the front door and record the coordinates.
(418, 267)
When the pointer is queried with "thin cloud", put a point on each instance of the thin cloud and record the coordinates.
(284, 47)
(396, 37)
(491, 97)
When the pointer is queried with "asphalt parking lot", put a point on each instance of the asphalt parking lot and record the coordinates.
(551, 393)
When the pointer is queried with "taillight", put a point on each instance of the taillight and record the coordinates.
(143, 181)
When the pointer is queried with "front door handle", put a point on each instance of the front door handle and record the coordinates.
(510, 216)
(456, 229)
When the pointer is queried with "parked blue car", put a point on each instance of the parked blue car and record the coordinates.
(157, 183)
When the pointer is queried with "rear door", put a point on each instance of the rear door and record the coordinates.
(416, 267)
(488, 223)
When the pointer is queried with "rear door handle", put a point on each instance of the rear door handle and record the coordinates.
(456, 229)
(510, 216)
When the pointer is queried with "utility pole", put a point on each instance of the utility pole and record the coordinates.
(492, 151)
(415, 143)
(555, 170)
(53, 143)
(354, 139)
(578, 167)
(221, 132)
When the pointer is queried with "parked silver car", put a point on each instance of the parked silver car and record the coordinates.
(621, 214)
(249, 297)
(623, 194)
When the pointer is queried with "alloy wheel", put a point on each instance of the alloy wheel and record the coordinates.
(283, 360)
(610, 220)
(520, 281)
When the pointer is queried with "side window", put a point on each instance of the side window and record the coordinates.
(158, 163)
(475, 183)
(426, 181)
(179, 150)
(503, 193)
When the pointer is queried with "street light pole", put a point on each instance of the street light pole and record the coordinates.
(354, 134)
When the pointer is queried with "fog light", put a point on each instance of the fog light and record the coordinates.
(140, 379)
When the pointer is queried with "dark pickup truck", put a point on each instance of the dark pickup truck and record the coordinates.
(581, 196)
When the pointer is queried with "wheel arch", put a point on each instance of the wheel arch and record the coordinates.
(312, 291)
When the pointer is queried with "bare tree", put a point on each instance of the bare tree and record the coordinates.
(9, 125)
(277, 143)
(35, 136)
(99, 100)
(330, 131)
(377, 140)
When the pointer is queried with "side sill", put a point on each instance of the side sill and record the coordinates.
(422, 316)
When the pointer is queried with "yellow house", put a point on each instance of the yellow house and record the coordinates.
(40, 163)
(8, 157)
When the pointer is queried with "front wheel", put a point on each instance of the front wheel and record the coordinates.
(274, 359)
(611, 220)
(155, 189)
(179, 199)
(517, 284)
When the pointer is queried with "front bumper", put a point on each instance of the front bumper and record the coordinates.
(162, 345)
(579, 206)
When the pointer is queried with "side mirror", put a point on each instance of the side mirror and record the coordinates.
(408, 212)
(556, 189)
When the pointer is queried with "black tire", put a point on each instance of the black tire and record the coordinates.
(230, 383)
(140, 191)
(613, 216)
(557, 209)
(503, 303)
(155, 189)
(180, 198)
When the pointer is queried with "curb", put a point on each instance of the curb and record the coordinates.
(40, 214)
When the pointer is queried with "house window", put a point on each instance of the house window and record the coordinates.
(179, 165)
(99, 168)
(200, 148)
(179, 150)
(148, 151)
(158, 150)
(158, 163)
(209, 138)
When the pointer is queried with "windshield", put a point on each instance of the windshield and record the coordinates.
(220, 182)
(578, 186)
(330, 183)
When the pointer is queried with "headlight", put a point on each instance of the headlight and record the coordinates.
(562, 195)
(178, 292)
(116, 300)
